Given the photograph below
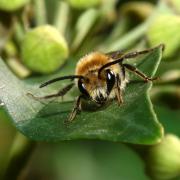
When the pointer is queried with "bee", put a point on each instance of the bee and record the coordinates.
(100, 78)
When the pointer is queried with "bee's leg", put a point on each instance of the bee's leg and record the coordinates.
(138, 72)
(118, 54)
(134, 69)
(129, 55)
(61, 93)
(123, 72)
(118, 90)
(76, 109)
(137, 53)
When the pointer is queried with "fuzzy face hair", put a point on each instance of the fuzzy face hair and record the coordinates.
(88, 67)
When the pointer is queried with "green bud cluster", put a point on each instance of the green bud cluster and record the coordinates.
(164, 158)
(11, 5)
(165, 29)
(44, 49)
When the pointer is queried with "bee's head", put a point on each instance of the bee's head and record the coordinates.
(97, 88)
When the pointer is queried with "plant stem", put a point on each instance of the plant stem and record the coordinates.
(40, 10)
(20, 70)
(61, 18)
(129, 38)
(18, 156)
(19, 32)
(83, 26)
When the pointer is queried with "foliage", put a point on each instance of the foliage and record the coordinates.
(127, 123)
(86, 26)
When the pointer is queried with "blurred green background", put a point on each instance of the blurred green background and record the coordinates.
(77, 27)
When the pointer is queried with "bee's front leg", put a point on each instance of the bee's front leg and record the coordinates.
(118, 90)
(76, 109)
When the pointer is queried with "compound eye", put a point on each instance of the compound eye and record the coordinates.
(110, 80)
(82, 88)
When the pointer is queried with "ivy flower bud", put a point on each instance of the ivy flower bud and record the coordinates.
(165, 29)
(164, 158)
(44, 49)
(9, 5)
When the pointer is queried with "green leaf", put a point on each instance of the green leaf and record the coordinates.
(134, 121)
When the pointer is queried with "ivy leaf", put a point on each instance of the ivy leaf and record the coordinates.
(134, 121)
